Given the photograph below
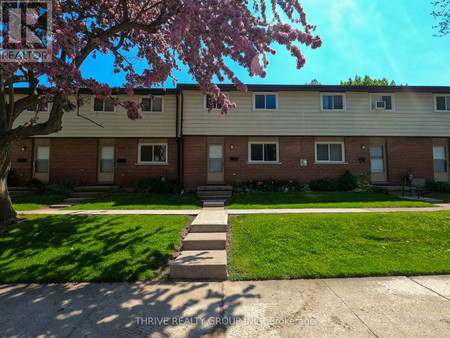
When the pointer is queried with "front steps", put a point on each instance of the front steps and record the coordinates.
(214, 195)
(204, 255)
(21, 191)
(83, 194)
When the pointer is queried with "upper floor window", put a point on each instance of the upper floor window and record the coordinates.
(152, 104)
(333, 102)
(265, 101)
(330, 152)
(103, 105)
(150, 153)
(382, 102)
(263, 152)
(209, 103)
(442, 103)
(38, 107)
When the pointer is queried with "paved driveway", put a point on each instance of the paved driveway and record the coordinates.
(359, 307)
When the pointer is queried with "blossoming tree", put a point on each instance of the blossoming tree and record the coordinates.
(200, 34)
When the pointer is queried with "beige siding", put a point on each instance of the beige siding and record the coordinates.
(115, 124)
(299, 114)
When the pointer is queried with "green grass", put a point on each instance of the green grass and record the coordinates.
(124, 201)
(32, 202)
(440, 196)
(280, 200)
(336, 245)
(88, 248)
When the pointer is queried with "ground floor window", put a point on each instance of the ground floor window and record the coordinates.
(330, 152)
(261, 152)
(440, 159)
(152, 153)
(42, 159)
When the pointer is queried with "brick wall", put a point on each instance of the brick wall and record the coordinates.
(73, 160)
(126, 173)
(409, 154)
(23, 170)
(195, 157)
(292, 149)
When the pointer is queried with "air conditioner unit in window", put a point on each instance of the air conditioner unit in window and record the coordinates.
(379, 105)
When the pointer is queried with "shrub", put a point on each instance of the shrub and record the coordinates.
(362, 184)
(348, 182)
(33, 182)
(267, 185)
(442, 187)
(157, 186)
(324, 184)
(63, 188)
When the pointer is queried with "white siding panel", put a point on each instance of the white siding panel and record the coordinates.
(299, 114)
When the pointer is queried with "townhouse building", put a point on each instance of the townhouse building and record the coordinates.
(292, 132)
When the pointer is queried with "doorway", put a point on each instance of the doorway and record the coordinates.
(215, 160)
(106, 162)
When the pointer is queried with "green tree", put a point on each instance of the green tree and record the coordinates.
(367, 81)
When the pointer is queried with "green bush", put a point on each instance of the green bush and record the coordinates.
(442, 187)
(63, 188)
(324, 184)
(157, 186)
(347, 182)
(267, 185)
(362, 184)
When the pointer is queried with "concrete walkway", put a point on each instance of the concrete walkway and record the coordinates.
(355, 307)
(194, 212)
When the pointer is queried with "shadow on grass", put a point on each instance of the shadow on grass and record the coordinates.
(88, 248)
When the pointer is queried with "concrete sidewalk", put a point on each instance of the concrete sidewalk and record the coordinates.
(359, 307)
(194, 212)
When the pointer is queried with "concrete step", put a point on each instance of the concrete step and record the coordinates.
(21, 192)
(22, 189)
(223, 187)
(86, 194)
(200, 264)
(61, 205)
(205, 241)
(214, 193)
(97, 188)
(210, 221)
(75, 200)
(213, 204)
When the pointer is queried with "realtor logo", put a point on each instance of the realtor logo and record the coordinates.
(25, 31)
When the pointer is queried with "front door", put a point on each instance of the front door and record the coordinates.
(378, 163)
(215, 162)
(440, 163)
(106, 162)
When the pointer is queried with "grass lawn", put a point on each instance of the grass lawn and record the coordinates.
(140, 201)
(32, 202)
(440, 196)
(336, 245)
(281, 200)
(88, 248)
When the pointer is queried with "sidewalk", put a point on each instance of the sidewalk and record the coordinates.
(359, 307)
(48, 211)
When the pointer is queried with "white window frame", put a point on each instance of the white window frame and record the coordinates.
(204, 101)
(265, 93)
(152, 162)
(444, 159)
(381, 94)
(103, 111)
(329, 161)
(435, 103)
(344, 101)
(263, 142)
(154, 97)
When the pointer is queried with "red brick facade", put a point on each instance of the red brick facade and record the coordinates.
(77, 160)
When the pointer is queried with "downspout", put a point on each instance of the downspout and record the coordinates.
(177, 137)
(181, 137)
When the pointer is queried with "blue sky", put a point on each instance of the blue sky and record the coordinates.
(380, 38)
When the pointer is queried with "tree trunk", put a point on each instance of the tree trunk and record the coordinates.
(7, 213)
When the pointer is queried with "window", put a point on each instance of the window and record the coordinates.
(330, 152)
(152, 153)
(208, 104)
(152, 105)
(107, 160)
(42, 159)
(263, 152)
(440, 159)
(382, 102)
(265, 101)
(442, 103)
(103, 105)
(38, 107)
(333, 101)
